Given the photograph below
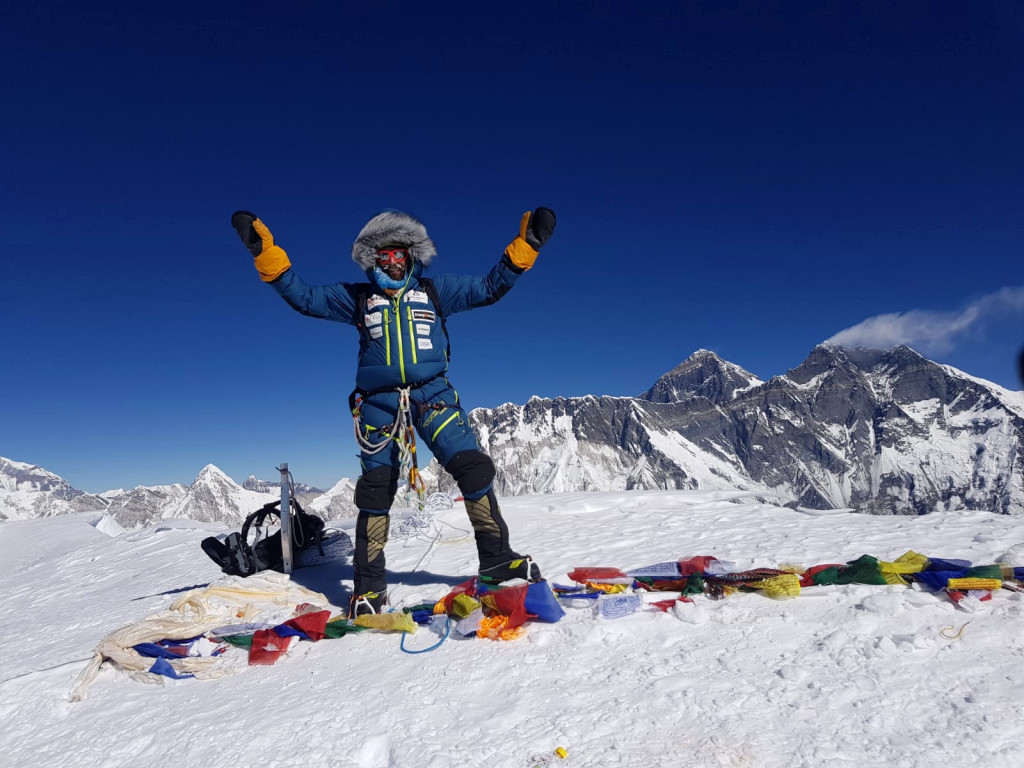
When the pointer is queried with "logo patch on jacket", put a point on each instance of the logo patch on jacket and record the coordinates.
(420, 297)
(372, 302)
(374, 318)
(423, 315)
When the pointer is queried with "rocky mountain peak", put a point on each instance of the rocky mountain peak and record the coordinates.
(823, 359)
(253, 483)
(212, 473)
(29, 490)
(881, 431)
(702, 374)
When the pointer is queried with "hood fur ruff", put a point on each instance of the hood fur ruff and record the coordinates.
(393, 228)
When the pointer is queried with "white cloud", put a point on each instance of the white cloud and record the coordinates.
(927, 331)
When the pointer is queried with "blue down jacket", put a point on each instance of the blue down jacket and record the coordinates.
(402, 341)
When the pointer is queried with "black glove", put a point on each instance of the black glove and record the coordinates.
(540, 227)
(242, 222)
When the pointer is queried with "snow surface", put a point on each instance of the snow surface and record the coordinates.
(852, 675)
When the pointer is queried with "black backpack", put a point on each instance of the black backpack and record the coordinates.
(236, 556)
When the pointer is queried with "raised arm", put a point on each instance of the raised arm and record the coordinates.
(332, 302)
(458, 293)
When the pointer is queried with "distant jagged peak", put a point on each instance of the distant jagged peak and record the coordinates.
(704, 374)
(705, 358)
(822, 359)
(211, 469)
(11, 467)
(898, 374)
(345, 485)
(33, 476)
(873, 358)
(212, 473)
(700, 357)
(253, 483)
(701, 354)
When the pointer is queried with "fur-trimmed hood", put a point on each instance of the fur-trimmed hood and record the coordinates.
(393, 228)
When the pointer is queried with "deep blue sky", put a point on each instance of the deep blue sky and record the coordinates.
(746, 177)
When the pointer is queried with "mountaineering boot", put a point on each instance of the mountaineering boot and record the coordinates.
(369, 575)
(498, 561)
(519, 568)
(367, 603)
(489, 529)
(473, 470)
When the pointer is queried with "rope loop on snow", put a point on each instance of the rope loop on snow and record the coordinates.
(958, 632)
(435, 646)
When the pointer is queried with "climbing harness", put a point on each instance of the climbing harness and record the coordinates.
(402, 432)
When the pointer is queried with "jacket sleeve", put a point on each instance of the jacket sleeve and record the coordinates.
(459, 293)
(333, 302)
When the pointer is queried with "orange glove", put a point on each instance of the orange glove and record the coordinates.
(534, 230)
(271, 260)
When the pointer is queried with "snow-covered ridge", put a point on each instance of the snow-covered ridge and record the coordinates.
(883, 431)
(1009, 398)
(28, 491)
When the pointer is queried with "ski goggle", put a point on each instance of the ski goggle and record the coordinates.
(387, 256)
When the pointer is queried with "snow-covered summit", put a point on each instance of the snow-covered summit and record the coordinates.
(702, 374)
(304, 493)
(884, 431)
(213, 496)
(336, 503)
(28, 490)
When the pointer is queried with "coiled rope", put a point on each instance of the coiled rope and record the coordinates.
(403, 434)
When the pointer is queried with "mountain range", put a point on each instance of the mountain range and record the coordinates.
(882, 432)
(29, 491)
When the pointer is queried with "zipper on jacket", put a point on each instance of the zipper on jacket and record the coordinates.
(412, 333)
(387, 337)
(398, 331)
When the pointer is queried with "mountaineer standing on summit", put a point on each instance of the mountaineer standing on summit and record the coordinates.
(403, 359)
